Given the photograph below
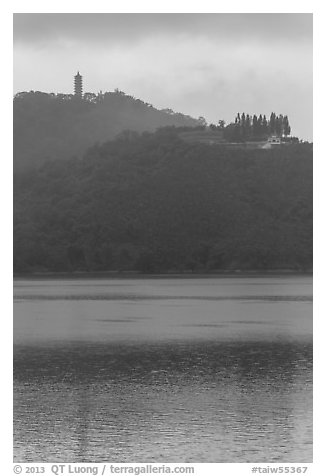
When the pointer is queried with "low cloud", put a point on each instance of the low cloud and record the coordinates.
(115, 28)
(212, 65)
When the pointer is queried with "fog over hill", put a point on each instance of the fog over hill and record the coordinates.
(59, 126)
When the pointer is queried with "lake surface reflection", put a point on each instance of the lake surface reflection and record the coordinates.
(169, 370)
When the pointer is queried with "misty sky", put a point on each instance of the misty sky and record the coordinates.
(210, 65)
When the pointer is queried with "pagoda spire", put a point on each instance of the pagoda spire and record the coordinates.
(78, 85)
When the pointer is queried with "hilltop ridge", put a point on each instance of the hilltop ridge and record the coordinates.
(59, 126)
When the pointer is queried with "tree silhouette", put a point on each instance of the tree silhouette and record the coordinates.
(272, 123)
(286, 126)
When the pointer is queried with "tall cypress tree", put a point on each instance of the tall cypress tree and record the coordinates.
(265, 125)
(243, 125)
(255, 130)
(272, 123)
(286, 126)
(260, 124)
(281, 118)
(278, 126)
(248, 126)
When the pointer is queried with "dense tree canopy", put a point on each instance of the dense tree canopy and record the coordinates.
(155, 203)
(246, 127)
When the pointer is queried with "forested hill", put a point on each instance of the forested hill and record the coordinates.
(154, 203)
(49, 126)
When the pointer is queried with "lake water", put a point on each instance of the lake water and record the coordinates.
(163, 370)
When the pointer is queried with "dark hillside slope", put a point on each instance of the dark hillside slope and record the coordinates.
(155, 203)
(48, 126)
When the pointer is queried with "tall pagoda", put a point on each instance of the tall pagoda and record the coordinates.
(78, 89)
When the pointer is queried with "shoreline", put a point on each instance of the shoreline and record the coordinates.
(167, 275)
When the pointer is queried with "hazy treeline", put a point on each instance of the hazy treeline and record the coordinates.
(152, 203)
(247, 127)
(59, 126)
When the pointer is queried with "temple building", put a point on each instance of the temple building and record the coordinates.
(78, 89)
